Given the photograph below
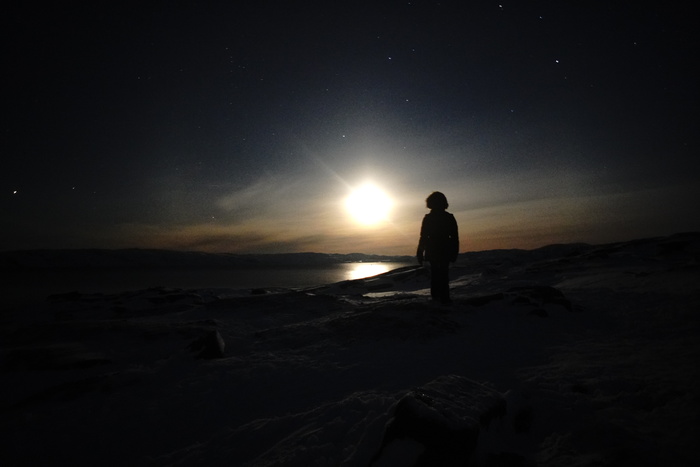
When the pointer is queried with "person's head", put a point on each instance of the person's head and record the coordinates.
(436, 200)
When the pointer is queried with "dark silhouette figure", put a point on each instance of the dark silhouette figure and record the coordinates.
(439, 244)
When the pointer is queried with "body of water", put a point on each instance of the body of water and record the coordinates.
(35, 285)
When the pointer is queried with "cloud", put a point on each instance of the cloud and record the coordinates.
(304, 211)
(273, 214)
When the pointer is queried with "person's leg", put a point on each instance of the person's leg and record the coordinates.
(434, 281)
(440, 281)
(445, 283)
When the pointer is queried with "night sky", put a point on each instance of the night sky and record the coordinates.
(244, 126)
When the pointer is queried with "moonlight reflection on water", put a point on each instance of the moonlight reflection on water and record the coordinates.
(33, 285)
(361, 270)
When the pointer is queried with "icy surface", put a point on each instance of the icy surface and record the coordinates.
(592, 349)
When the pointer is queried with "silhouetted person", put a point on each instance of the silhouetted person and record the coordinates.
(439, 244)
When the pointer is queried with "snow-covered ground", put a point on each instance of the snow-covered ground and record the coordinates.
(569, 355)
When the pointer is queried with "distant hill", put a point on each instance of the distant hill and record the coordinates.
(24, 260)
(168, 259)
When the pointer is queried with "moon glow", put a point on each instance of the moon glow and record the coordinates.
(368, 205)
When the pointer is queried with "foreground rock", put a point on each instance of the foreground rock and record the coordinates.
(439, 423)
(210, 345)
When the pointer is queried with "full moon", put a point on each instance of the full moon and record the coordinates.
(368, 205)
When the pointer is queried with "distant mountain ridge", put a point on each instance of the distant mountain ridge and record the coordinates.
(169, 259)
(25, 260)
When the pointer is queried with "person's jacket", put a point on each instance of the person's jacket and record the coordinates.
(439, 239)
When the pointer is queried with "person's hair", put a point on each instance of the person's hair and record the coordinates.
(436, 200)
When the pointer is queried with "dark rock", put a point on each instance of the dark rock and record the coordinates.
(445, 416)
(210, 345)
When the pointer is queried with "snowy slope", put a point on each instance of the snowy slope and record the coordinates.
(568, 355)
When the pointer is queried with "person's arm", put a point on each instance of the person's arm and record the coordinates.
(420, 251)
(454, 236)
